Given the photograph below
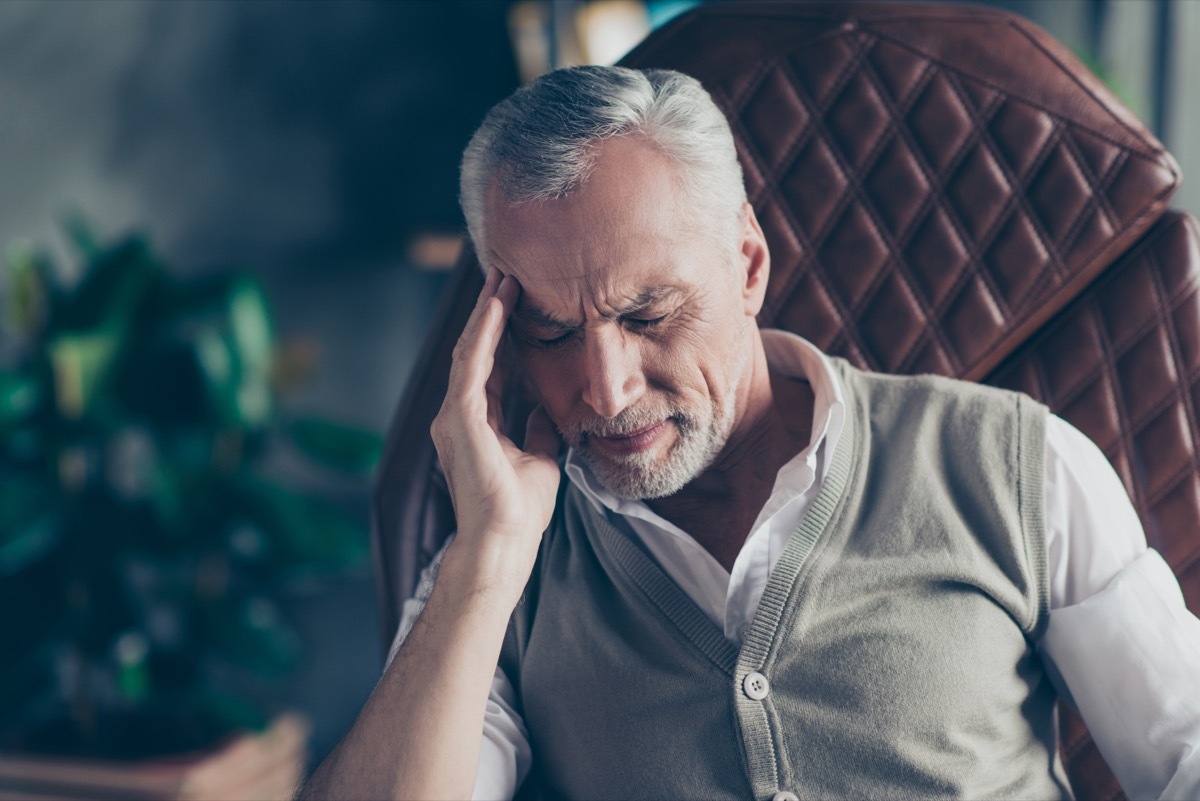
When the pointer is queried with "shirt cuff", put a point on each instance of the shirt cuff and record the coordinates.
(504, 755)
(1129, 657)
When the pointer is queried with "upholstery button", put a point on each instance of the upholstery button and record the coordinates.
(755, 686)
(785, 795)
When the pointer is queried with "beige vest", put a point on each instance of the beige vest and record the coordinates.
(891, 655)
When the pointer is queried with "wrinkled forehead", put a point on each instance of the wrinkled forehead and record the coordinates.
(622, 268)
(628, 219)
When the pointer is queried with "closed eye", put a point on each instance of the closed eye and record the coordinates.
(553, 342)
(637, 322)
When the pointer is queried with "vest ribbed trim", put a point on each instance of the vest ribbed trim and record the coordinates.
(668, 598)
(1031, 478)
(759, 744)
(758, 639)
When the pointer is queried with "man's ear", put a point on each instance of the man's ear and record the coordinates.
(755, 260)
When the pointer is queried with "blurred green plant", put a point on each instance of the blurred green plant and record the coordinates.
(143, 547)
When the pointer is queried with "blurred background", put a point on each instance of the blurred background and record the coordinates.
(311, 149)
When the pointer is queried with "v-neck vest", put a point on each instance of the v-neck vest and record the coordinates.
(890, 656)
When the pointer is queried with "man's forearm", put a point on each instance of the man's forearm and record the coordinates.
(424, 721)
(418, 736)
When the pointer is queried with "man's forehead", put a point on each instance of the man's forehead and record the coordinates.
(630, 187)
(564, 306)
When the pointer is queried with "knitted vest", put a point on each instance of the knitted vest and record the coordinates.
(890, 655)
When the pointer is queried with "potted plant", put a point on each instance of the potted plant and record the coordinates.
(143, 545)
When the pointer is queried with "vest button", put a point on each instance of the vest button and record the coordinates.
(785, 795)
(756, 688)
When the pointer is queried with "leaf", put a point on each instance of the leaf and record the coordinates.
(337, 445)
(118, 282)
(132, 666)
(82, 363)
(20, 396)
(28, 522)
(307, 536)
(223, 330)
(82, 235)
(30, 287)
(253, 345)
(250, 633)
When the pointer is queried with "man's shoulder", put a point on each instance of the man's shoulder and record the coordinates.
(928, 388)
(951, 420)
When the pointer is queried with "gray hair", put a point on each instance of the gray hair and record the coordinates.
(540, 143)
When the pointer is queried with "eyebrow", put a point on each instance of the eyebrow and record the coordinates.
(527, 314)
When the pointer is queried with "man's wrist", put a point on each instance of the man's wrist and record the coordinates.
(477, 570)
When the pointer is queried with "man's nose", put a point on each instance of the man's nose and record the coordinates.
(614, 379)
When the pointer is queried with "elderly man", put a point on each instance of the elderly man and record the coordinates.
(759, 572)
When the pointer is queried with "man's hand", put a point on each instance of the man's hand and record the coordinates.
(418, 735)
(503, 496)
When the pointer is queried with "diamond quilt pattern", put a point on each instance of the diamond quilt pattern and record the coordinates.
(1122, 364)
(900, 178)
(921, 217)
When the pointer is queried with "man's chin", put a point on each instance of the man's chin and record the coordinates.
(637, 477)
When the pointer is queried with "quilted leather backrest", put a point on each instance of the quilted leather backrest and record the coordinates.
(935, 182)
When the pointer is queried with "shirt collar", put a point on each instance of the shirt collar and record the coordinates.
(788, 355)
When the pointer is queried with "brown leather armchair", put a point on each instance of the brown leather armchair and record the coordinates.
(944, 189)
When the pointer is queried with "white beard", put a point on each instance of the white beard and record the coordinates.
(646, 475)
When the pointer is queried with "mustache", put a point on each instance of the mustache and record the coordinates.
(578, 432)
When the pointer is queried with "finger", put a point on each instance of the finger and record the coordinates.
(478, 357)
(495, 386)
(507, 292)
(490, 283)
(541, 435)
(464, 350)
(491, 280)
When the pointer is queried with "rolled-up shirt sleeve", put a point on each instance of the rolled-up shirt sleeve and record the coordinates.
(1130, 656)
(1120, 640)
(504, 754)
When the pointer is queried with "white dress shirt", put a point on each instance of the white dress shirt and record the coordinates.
(1120, 645)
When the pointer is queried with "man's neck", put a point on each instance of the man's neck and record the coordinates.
(720, 505)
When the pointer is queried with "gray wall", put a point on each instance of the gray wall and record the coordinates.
(267, 133)
(1183, 133)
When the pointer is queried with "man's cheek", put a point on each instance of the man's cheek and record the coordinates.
(547, 384)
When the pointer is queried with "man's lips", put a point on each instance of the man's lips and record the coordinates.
(640, 440)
